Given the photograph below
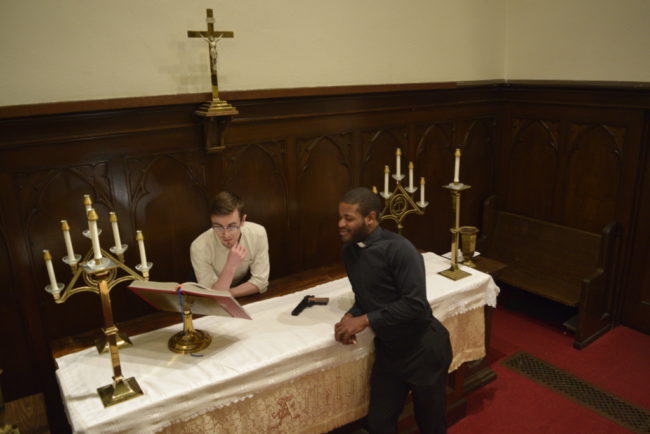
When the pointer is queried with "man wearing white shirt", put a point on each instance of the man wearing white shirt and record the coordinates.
(233, 254)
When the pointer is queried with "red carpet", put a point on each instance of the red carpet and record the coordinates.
(618, 363)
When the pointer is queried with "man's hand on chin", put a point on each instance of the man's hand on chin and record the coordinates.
(236, 255)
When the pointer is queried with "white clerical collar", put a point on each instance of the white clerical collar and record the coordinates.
(361, 244)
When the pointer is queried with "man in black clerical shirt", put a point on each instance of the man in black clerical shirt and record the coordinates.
(412, 349)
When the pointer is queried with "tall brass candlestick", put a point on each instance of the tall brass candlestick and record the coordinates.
(121, 389)
(455, 188)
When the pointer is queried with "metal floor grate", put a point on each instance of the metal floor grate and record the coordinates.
(604, 403)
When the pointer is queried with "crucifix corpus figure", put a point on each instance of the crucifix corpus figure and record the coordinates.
(212, 37)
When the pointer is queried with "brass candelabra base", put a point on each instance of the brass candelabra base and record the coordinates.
(121, 390)
(122, 340)
(186, 342)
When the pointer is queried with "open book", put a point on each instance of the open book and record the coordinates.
(203, 301)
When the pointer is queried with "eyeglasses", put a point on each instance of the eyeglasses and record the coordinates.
(230, 228)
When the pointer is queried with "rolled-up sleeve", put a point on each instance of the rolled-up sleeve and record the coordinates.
(260, 266)
(204, 271)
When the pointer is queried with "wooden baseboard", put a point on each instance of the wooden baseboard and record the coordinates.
(28, 414)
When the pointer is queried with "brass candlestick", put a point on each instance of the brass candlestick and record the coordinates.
(400, 202)
(99, 270)
(454, 272)
(455, 187)
(189, 340)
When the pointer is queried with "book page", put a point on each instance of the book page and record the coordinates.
(154, 286)
(161, 300)
(197, 289)
(226, 301)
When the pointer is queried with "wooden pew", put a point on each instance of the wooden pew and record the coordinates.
(566, 265)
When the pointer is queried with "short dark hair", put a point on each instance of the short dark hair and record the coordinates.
(225, 203)
(366, 199)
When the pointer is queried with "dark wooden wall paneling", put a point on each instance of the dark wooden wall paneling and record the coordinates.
(567, 155)
(291, 159)
(635, 300)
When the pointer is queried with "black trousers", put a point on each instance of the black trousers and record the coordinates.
(424, 374)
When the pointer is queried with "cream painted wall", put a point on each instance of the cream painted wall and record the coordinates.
(70, 50)
(578, 40)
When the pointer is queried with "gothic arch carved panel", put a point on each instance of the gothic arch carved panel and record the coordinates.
(594, 175)
(434, 162)
(45, 198)
(478, 153)
(532, 167)
(378, 147)
(169, 206)
(257, 172)
(324, 175)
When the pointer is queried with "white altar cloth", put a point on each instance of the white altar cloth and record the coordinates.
(245, 357)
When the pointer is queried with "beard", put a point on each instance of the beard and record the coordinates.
(360, 233)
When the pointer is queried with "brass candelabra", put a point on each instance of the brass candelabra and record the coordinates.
(400, 202)
(99, 271)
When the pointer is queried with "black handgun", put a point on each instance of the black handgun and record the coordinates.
(308, 301)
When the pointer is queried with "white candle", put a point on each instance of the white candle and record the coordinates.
(398, 162)
(411, 175)
(116, 231)
(422, 190)
(50, 270)
(94, 236)
(386, 172)
(68, 242)
(143, 256)
(88, 203)
(457, 167)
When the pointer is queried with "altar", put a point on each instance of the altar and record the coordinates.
(276, 373)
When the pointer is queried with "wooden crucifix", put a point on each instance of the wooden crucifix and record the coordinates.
(211, 37)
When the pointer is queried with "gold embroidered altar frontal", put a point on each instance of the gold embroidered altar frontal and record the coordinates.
(322, 401)
(275, 373)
